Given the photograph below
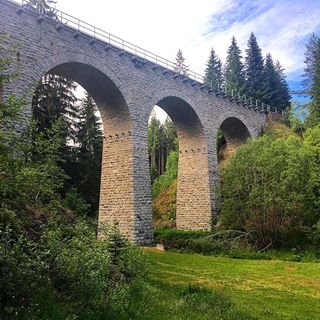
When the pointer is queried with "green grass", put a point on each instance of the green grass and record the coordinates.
(257, 289)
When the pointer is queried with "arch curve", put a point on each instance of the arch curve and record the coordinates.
(193, 207)
(117, 191)
(235, 131)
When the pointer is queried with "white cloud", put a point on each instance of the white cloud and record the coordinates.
(164, 27)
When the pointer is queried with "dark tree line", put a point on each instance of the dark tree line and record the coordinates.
(55, 101)
(257, 77)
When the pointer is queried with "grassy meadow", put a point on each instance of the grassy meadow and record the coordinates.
(233, 288)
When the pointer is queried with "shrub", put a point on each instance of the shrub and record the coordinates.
(268, 188)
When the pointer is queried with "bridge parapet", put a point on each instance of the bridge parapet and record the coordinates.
(139, 56)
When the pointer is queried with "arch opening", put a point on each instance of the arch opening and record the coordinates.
(231, 134)
(116, 197)
(191, 210)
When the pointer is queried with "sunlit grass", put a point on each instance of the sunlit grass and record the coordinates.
(263, 289)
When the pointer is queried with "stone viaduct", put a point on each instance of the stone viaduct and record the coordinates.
(126, 82)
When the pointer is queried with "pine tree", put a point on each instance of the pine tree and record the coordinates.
(213, 73)
(162, 139)
(171, 136)
(54, 99)
(153, 145)
(310, 61)
(283, 100)
(233, 71)
(256, 87)
(89, 155)
(272, 80)
(181, 67)
(314, 107)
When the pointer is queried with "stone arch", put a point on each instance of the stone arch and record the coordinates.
(235, 132)
(99, 80)
(193, 209)
(117, 191)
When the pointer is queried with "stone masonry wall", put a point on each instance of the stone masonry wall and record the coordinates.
(126, 88)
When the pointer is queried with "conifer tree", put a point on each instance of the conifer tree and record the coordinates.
(213, 73)
(153, 144)
(256, 87)
(277, 93)
(181, 67)
(233, 71)
(162, 139)
(283, 99)
(89, 155)
(171, 136)
(54, 99)
(310, 61)
(314, 107)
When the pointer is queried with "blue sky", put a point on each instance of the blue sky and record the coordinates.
(282, 27)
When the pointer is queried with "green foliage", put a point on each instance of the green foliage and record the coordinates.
(282, 99)
(51, 264)
(315, 234)
(162, 139)
(256, 86)
(311, 80)
(277, 93)
(170, 174)
(85, 170)
(229, 243)
(310, 61)
(180, 66)
(54, 100)
(293, 118)
(213, 73)
(270, 189)
(75, 203)
(314, 107)
(233, 71)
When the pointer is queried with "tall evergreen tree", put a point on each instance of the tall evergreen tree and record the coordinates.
(89, 155)
(181, 67)
(233, 70)
(272, 79)
(54, 99)
(256, 87)
(213, 73)
(171, 136)
(153, 144)
(277, 94)
(162, 139)
(314, 107)
(283, 100)
(310, 61)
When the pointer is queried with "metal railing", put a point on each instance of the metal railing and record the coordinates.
(80, 27)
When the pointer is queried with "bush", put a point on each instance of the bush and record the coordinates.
(270, 189)
(314, 234)
(229, 243)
